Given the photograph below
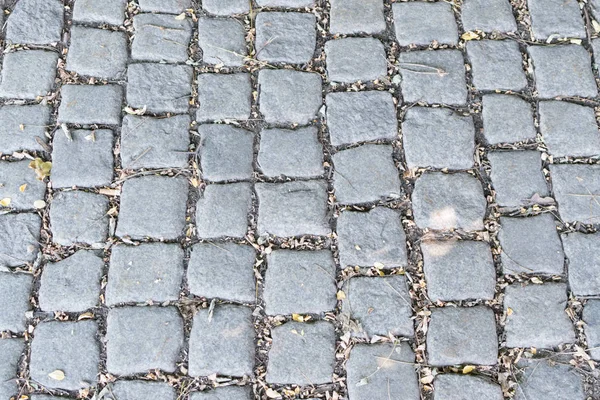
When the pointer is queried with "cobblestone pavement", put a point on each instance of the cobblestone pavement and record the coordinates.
(299, 199)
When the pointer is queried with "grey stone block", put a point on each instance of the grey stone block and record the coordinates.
(139, 339)
(356, 16)
(497, 64)
(98, 52)
(222, 39)
(73, 284)
(79, 217)
(87, 104)
(19, 239)
(160, 88)
(28, 74)
(421, 23)
(222, 342)
(583, 255)
(361, 116)
(223, 271)
(20, 127)
(161, 38)
(488, 16)
(10, 353)
(153, 206)
(165, 6)
(506, 119)
(556, 19)
(35, 22)
(19, 183)
(14, 293)
(229, 7)
(226, 152)
(285, 37)
(545, 379)
(591, 317)
(439, 138)
(302, 354)
(285, 3)
(150, 272)
(70, 347)
(364, 174)
(374, 237)
(142, 390)
(576, 188)
(456, 387)
(108, 11)
(296, 153)
(223, 210)
(227, 392)
(224, 97)
(355, 59)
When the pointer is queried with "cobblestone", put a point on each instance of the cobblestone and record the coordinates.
(496, 65)
(14, 293)
(550, 18)
(285, 37)
(420, 23)
(591, 317)
(165, 6)
(575, 188)
(542, 380)
(19, 239)
(583, 254)
(226, 152)
(19, 184)
(79, 217)
(356, 16)
(215, 218)
(97, 52)
(141, 390)
(488, 16)
(285, 3)
(222, 39)
(231, 7)
(35, 22)
(160, 88)
(10, 352)
(160, 38)
(507, 119)
(88, 104)
(296, 153)
(454, 387)
(224, 392)
(20, 127)
(28, 74)
(355, 59)
(109, 11)
(224, 97)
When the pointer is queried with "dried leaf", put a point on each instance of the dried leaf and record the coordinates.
(297, 317)
(180, 17)
(109, 192)
(42, 168)
(86, 315)
(133, 111)
(5, 202)
(57, 375)
(341, 295)
(22, 187)
(39, 204)
(509, 311)
(536, 280)
(272, 394)
(427, 379)
(470, 35)
(468, 369)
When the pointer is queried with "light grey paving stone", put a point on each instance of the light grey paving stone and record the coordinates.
(562, 71)
(222, 39)
(356, 16)
(226, 7)
(544, 379)
(223, 271)
(153, 206)
(73, 284)
(595, 8)
(19, 237)
(451, 339)
(591, 317)
(296, 153)
(224, 393)
(108, 11)
(583, 255)
(458, 270)
(369, 238)
(98, 52)
(79, 217)
(303, 354)
(355, 59)
(223, 210)
(222, 342)
(35, 22)
(70, 347)
(569, 129)
(19, 183)
(28, 74)
(497, 64)
(89, 104)
(20, 127)
(165, 6)
(442, 201)
(84, 160)
(576, 188)
(299, 282)
(285, 37)
(289, 97)
(461, 387)
(226, 152)
(161, 38)
(439, 138)
(382, 371)
(293, 208)
(160, 88)
(506, 119)
(361, 116)
(141, 390)
(445, 83)
(517, 176)
(139, 339)
(364, 174)
(10, 353)
(285, 3)
(150, 272)
(556, 19)
(14, 294)
(224, 97)
(148, 142)
(421, 23)
(488, 16)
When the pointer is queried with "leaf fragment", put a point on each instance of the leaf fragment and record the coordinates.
(297, 317)
(5, 202)
(57, 375)
(42, 168)
(272, 394)
(467, 369)
(22, 187)
(340, 295)
(39, 204)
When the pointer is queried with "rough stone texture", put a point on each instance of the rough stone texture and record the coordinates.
(442, 201)
(222, 271)
(369, 238)
(285, 37)
(14, 294)
(224, 393)
(150, 272)
(222, 342)
(217, 218)
(159, 87)
(296, 153)
(19, 236)
(497, 64)
(460, 387)
(576, 188)
(18, 183)
(227, 7)
(139, 339)
(20, 127)
(35, 22)
(10, 352)
(142, 390)
(458, 270)
(153, 206)
(591, 317)
(71, 347)
(28, 74)
(439, 138)
(583, 255)
(462, 336)
(108, 11)
(161, 38)
(226, 152)
(222, 40)
(356, 16)
(97, 52)
(361, 116)
(165, 6)
(224, 97)
(542, 380)
(506, 119)
(78, 217)
(87, 104)
(73, 284)
(488, 16)
(303, 354)
(355, 59)
(285, 3)
(299, 282)
(421, 23)
(556, 19)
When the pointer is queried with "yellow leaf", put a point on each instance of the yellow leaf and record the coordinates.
(194, 182)
(42, 168)
(5, 202)
(468, 369)
(341, 295)
(180, 17)
(509, 311)
(57, 375)
(470, 35)
(39, 204)
(297, 317)
(22, 127)
(22, 187)
(272, 394)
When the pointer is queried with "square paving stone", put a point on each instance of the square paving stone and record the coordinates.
(10, 353)
(224, 97)
(88, 104)
(382, 371)
(556, 19)
(22, 127)
(222, 342)
(153, 206)
(442, 201)
(224, 392)
(73, 284)
(35, 22)
(506, 119)
(98, 52)
(544, 379)
(79, 217)
(293, 208)
(296, 153)
(85, 160)
(289, 97)
(356, 16)
(15, 290)
(364, 174)
(70, 347)
(361, 116)
(28, 74)
(150, 272)
(591, 317)
(460, 387)
(488, 16)
(569, 129)
(226, 152)
(439, 138)
(228, 7)
(421, 23)
(142, 390)
(285, 3)
(139, 339)
(148, 142)
(583, 255)
(299, 282)
(108, 11)
(433, 76)
(222, 40)
(497, 64)
(563, 71)
(302, 354)
(459, 270)
(223, 270)
(369, 238)
(19, 239)
(285, 37)
(161, 88)
(161, 38)
(355, 59)
(464, 335)
(165, 6)
(218, 218)
(576, 188)
(537, 317)
(19, 183)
